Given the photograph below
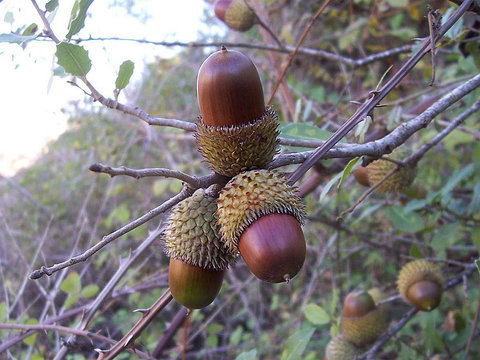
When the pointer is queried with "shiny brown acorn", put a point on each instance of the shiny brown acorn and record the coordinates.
(235, 14)
(362, 321)
(235, 132)
(198, 259)
(360, 174)
(420, 283)
(260, 216)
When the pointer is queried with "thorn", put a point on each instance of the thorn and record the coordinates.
(127, 342)
(143, 311)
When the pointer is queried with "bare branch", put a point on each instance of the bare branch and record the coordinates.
(112, 236)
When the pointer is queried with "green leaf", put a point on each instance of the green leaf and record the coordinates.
(474, 206)
(51, 5)
(30, 30)
(71, 284)
(475, 234)
(90, 291)
(296, 344)
(398, 3)
(316, 315)
(77, 20)
(236, 336)
(30, 340)
(348, 169)
(477, 262)
(247, 355)
(71, 300)
(212, 341)
(15, 38)
(446, 235)
(120, 214)
(3, 312)
(305, 131)
(406, 222)
(328, 186)
(73, 58)
(124, 74)
(456, 178)
(415, 251)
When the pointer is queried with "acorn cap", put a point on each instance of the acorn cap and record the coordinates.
(361, 322)
(229, 150)
(420, 283)
(235, 13)
(253, 194)
(400, 180)
(338, 348)
(229, 89)
(192, 233)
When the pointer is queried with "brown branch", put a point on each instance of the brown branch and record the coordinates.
(176, 323)
(44, 270)
(376, 97)
(147, 317)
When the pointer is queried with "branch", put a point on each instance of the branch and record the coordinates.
(112, 236)
(147, 317)
(64, 329)
(322, 54)
(376, 97)
(389, 142)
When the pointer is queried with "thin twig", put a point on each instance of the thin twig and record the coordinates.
(147, 317)
(376, 97)
(110, 237)
(295, 51)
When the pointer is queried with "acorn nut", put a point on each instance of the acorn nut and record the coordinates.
(235, 14)
(198, 259)
(420, 283)
(235, 132)
(362, 321)
(260, 216)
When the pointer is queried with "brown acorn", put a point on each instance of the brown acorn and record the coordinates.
(260, 215)
(235, 132)
(362, 321)
(198, 259)
(360, 174)
(420, 283)
(235, 13)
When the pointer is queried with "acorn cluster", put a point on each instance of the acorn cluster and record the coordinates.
(236, 14)
(257, 214)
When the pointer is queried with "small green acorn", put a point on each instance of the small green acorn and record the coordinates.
(362, 321)
(420, 283)
(198, 259)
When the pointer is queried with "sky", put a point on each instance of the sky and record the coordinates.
(32, 100)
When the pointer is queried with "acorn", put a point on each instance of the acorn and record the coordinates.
(400, 180)
(420, 283)
(362, 321)
(235, 14)
(235, 132)
(198, 259)
(338, 348)
(360, 174)
(260, 216)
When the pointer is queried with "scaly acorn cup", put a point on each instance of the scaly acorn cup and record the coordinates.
(420, 283)
(235, 13)
(400, 180)
(362, 321)
(235, 132)
(260, 215)
(198, 259)
(338, 348)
